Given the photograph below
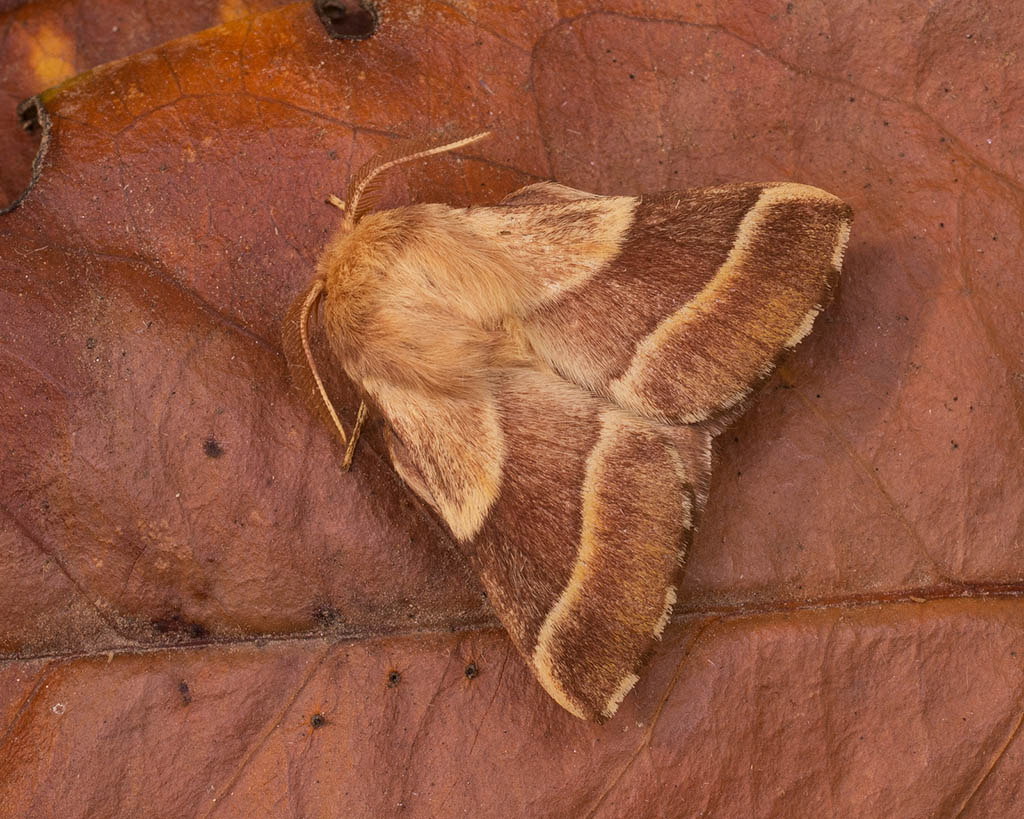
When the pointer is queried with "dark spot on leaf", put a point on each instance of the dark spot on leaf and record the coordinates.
(186, 693)
(472, 672)
(212, 448)
(394, 678)
(347, 19)
(326, 615)
(177, 625)
(90, 343)
(318, 720)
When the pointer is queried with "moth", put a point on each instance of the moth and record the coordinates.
(552, 371)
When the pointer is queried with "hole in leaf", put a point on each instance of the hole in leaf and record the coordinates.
(28, 114)
(347, 19)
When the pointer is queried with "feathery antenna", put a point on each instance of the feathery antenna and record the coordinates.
(363, 182)
(309, 304)
(316, 292)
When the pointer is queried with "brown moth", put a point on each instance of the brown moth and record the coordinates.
(552, 371)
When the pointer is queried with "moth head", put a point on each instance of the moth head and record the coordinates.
(357, 254)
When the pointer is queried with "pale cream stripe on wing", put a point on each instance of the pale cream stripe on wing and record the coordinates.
(543, 660)
(615, 700)
(803, 328)
(841, 241)
(670, 601)
(552, 241)
(627, 386)
(454, 436)
(838, 249)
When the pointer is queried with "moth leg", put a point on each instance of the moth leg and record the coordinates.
(337, 201)
(350, 450)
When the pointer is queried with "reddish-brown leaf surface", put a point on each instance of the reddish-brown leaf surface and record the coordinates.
(46, 42)
(200, 615)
